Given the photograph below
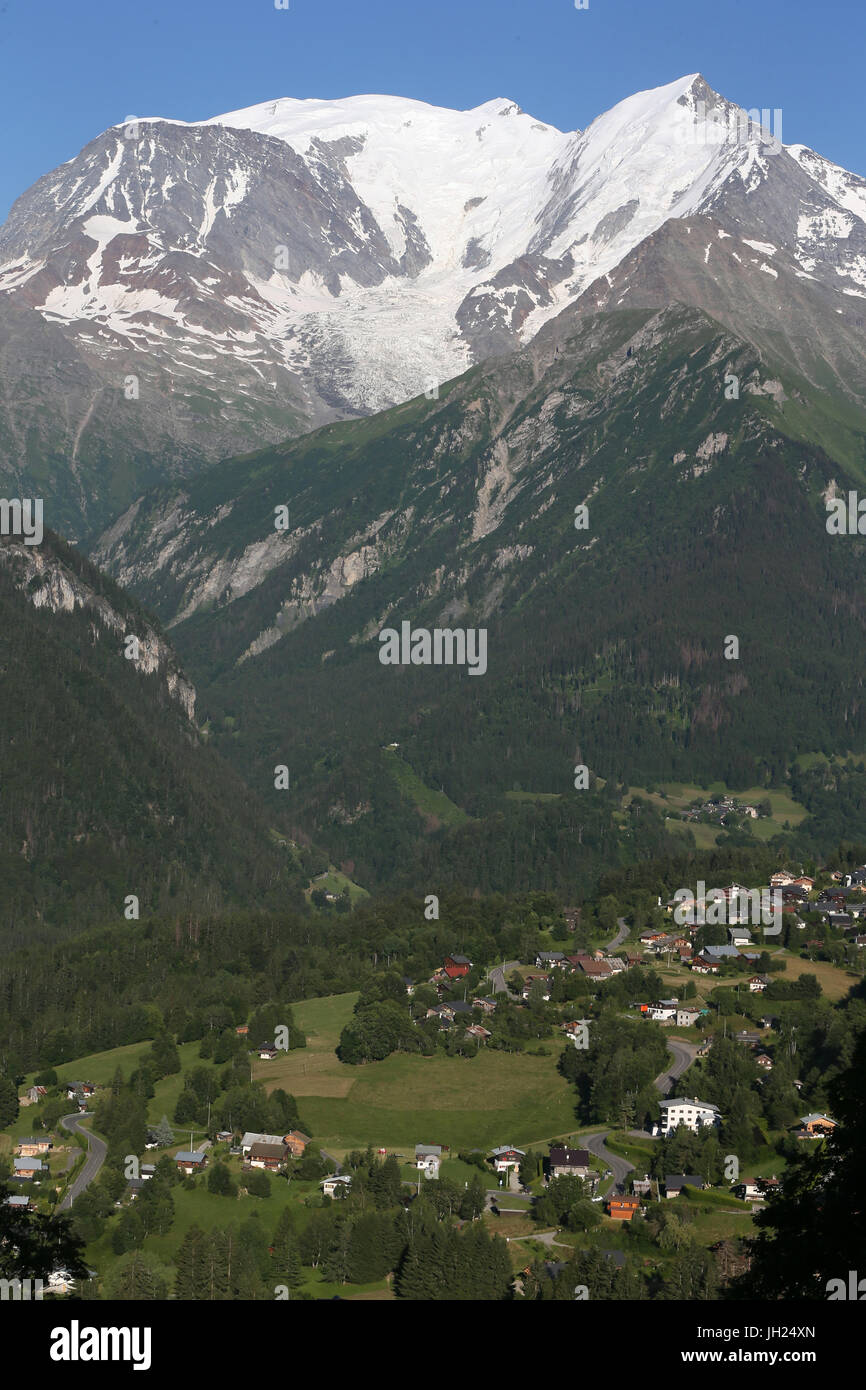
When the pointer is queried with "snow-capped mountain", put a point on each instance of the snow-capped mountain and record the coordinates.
(179, 291)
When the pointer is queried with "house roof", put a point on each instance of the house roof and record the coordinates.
(506, 1149)
(562, 1157)
(810, 1119)
(720, 952)
(268, 1151)
(251, 1138)
(683, 1180)
(431, 1150)
(689, 1100)
(22, 1164)
(189, 1156)
(459, 960)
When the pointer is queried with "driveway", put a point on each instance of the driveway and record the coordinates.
(96, 1151)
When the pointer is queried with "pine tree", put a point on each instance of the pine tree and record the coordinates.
(190, 1264)
(164, 1133)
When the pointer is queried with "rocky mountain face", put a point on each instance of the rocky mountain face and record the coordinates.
(178, 293)
(702, 462)
(111, 795)
(48, 579)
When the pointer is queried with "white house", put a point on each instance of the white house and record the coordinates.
(505, 1157)
(337, 1182)
(686, 1016)
(690, 1112)
(428, 1158)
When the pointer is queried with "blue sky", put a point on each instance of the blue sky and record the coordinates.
(69, 70)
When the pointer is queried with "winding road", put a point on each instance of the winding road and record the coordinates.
(96, 1151)
(620, 936)
(683, 1054)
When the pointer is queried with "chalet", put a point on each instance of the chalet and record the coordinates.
(190, 1161)
(616, 963)
(544, 981)
(748, 1192)
(478, 1033)
(704, 965)
(251, 1137)
(133, 1187)
(622, 1208)
(746, 1038)
(456, 967)
(32, 1096)
(428, 1158)
(815, 1126)
(409, 984)
(765, 1062)
(26, 1169)
(337, 1184)
(86, 1088)
(269, 1156)
(267, 1052)
(720, 953)
(758, 983)
(795, 893)
(781, 879)
(571, 917)
(809, 883)
(460, 1008)
(224, 1136)
(683, 1110)
(487, 1006)
(568, 1163)
(32, 1148)
(506, 1157)
(147, 1170)
(550, 959)
(642, 1187)
(662, 1013)
(594, 969)
(17, 1203)
(296, 1142)
(738, 936)
(675, 1182)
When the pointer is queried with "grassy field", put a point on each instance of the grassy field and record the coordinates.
(334, 882)
(100, 1067)
(833, 979)
(494, 1098)
(679, 795)
(429, 802)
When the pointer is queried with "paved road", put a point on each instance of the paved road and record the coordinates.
(683, 1054)
(620, 1167)
(497, 977)
(96, 1151)
(620, 936)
